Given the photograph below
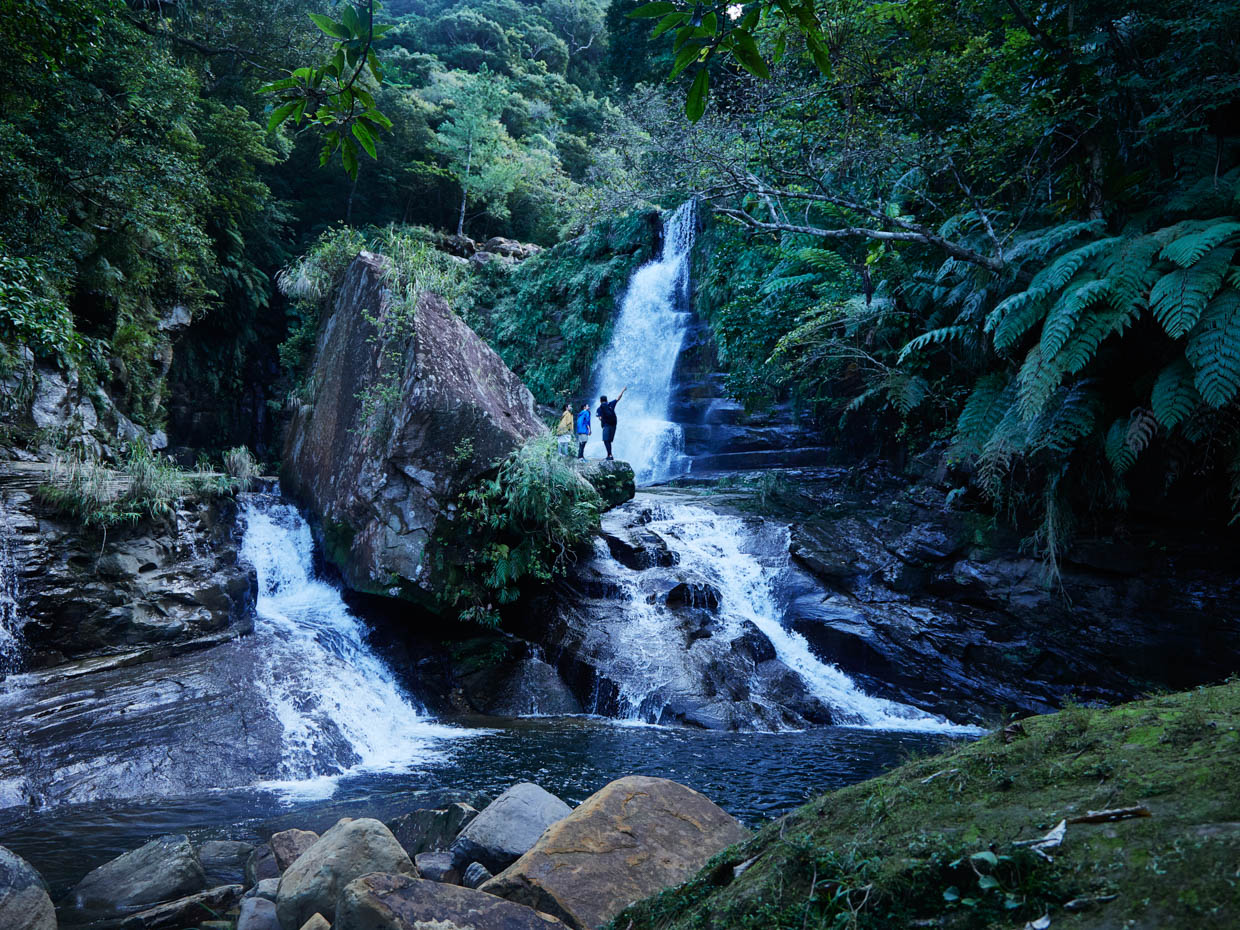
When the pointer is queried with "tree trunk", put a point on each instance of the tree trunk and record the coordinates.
(469, 160)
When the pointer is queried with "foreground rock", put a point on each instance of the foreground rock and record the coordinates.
(24, 903)
(508, 827)
(381, 489)
(165, 869)
(399, 902)
(431, 829)
(223, 861)
(349, 850)
(258, 914)
(629, 840)
(288, 845)
(185, 912)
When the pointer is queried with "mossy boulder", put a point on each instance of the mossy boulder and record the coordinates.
(614, 481)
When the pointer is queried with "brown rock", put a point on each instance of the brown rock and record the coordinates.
(383, 488)
(634, 837)
(399, 902)
(317, 922)
(287, 845)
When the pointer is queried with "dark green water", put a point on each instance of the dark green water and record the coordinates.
(754, 776)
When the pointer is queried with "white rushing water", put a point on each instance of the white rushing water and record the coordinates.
(649, 333)
(10, 620)
(333, 695)
(718, 549)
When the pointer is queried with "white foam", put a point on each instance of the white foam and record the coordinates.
(341, 708)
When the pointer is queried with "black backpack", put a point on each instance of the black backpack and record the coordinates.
(607, 413)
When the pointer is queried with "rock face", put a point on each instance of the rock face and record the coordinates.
(627, 841)
(431, 829)
(24, 903)
(381, 489)
(258, 914)
(399, 902)
(614, 480)
(508, 826)
(175, 585)
(349, 850)
(934, 606)
(223, 861)
(164, 869)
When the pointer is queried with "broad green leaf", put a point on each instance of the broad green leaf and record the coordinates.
(348, 155)
(668, 22)
(363, 135)
(688, 55)
(695, 103)
(330, 26)
(745, 51)
(280, 114)
(352, 22)
(985, 856)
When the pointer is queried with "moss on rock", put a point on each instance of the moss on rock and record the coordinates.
(945, 841)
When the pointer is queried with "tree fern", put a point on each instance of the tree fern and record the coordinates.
(1038, 379)
(1118, 452)
(1063, 269)
(1187, 250)
(1213, 349)
(906, 392)
(1014, 317)
(1180, 296)
(1063, 424)
(1174, 398)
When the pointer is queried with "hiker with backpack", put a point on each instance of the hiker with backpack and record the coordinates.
(607, 416)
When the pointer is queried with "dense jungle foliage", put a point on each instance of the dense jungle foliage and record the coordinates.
(1003, 229)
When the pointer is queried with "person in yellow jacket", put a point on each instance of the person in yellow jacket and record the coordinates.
(564, 431)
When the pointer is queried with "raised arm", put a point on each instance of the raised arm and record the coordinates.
(621, 394)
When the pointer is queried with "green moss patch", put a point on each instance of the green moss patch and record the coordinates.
(949, 841)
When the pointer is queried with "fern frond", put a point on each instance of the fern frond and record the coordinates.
(1131, 270)
(1062, 318)
(1038, 379)
(1062, 270)
(1062, 424)
(989, 400)
(1142, 427)
(783, 285)
(1213, 349)
(1179, 297)
(1118, 452)
(906, 392)
(1104, 320)
(1174, 398)
(1014, 317)
(1186, 251)
(933, 337)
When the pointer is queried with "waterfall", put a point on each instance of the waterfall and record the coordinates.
(333, 696)
(10, 621)
(645, 656)
(648, 336)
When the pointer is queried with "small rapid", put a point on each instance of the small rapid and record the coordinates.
(642, 650)
(333, 696)
(642, 354)
(10, 619)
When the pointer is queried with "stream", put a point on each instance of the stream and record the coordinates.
(303, 722)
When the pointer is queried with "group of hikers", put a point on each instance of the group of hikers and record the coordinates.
(580, 427)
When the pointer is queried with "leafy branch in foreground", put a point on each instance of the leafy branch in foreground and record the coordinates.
(337, 95)
(705, 30)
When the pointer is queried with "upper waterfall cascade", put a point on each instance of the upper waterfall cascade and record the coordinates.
(10, 620)
(324, 682)
(647, 340)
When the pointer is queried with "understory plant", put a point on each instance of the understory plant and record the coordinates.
(524, 525)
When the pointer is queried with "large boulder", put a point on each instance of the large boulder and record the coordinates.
(381, 487)
(24, 902)
(224, 861)
(348, 850)
(508, 826)
(400, 902)
(165, 869)
(627, 841)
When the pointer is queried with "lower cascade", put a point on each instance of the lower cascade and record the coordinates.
(684, 620)
(333, 696)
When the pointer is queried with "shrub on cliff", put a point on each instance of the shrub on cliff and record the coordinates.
(524, 525)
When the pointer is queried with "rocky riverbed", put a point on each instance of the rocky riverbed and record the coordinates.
(525, 860)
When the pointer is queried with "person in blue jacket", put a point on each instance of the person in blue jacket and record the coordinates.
(583, 429)
(607, 416)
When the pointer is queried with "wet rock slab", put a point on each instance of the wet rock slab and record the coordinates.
(508, 826)
(400, 902)
(24, 902)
